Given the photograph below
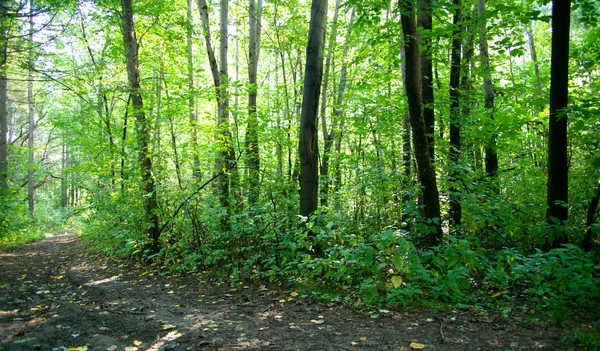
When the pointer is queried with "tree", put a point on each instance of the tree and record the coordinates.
(424, 20)
(491, 154)
(226, 160)
(152, 228)
(425, 170)
(455, 210)
(31, 124)
(308, 145)
(3, 95)
(253, 160)
(558, 165)
(192, 98)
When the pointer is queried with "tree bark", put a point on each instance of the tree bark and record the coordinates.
(558, 186)
(327, 141)
(308, 145)
(152, 227)
(253, 152)
(64, 195)
(455, 210)
(426, 172)
(31, 125)
(226, 160)
(586, 244)
(424, 20)
(196, 172)
(3, 96)
(491, 156)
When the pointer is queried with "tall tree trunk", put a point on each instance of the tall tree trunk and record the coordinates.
(226, 160)
(558, 167)
(426, 172)
(455, 211)
(491, 156)
(64, 195)
(327, 141)
(3, 96)
(171, 126)
(309, 145)
(152, 227)
(253, 159)
(424, 20)
(192, 95)
(31, 125)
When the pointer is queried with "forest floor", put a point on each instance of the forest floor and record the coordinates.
(54, 293)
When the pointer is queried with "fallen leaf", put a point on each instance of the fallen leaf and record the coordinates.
(294, 294)
(282, 300)
(416, 346)
(363, 338)
(112, 348)
(137, 342)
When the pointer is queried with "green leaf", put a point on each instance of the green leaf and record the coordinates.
(396, 281)
(398, 262)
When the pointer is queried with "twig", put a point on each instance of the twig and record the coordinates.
(442, 329)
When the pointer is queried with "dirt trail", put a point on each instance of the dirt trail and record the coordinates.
(53, 293)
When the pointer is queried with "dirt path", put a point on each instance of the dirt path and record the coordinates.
(55, 294)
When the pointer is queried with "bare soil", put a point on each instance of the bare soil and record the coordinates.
(54, 293)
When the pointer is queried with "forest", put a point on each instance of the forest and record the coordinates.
(380, 154)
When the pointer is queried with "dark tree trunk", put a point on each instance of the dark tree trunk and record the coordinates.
(308, 145)
(425, 170)
(425, 21)
(455, 211)
(586, 244)
(491, 156)
(142, 128)
(558, 187)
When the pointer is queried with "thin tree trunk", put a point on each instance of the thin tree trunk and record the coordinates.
(103, 108)
(491, 156)
(123, 142)
(455, 210)
(192, 95)
(426, 172)
(425, 21)
(152, 227)
(335, 135)
(31, 125)
(226, 159)
(171, 129)
(327, 139)
(558, 175)
(406, 147)
(536, 66)
(253, 160)
(586, 244)
(3, 96)
(64, 196)
(308, 145)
